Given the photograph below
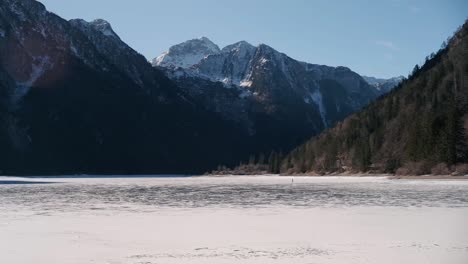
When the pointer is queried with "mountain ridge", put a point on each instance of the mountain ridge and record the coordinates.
(240, 47)
(249, 67)
(76, 99)
(276, 100)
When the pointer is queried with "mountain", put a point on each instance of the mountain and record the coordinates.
(419, 127)
(74, 98)
(277, 100)
(187, 54)
(384, 85)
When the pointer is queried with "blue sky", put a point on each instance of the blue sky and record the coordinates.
(375, 38)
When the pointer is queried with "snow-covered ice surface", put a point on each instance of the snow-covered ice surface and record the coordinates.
(263, 219)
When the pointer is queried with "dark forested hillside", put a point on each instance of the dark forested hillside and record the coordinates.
(74, 98)
(418, 128)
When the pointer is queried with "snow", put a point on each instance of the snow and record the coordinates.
(213, 48)
(187, 54)
(2, 33)
(158, 61)
(74, 50)
(245, 83)
(40, 65)
(226, 80)
(203, 59)
(263, 61)
(167, 60)
(241, 48)
(260, 219)
(232, 64)
(316, 96)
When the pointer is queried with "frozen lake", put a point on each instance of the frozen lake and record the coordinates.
(263, 219)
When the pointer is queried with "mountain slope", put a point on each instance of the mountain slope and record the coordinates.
(278, 101)
(420, 126)
(186, 54)
(75, 99)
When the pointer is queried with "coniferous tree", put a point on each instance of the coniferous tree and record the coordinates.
(418, 126)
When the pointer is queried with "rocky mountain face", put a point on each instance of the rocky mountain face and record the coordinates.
(276, 99)
(420, 127)
(74, 98)
(101, 35)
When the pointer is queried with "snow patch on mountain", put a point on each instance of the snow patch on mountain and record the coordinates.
(74, 50)
(245, 83)
(167, 60)
(317, 98)
(230, 66)
(187, 54)
(39, 67)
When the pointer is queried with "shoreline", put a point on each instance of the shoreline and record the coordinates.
(353, 175)
(341, 175)
(429, 177)
(391, 176)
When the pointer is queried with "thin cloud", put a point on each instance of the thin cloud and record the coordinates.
(387, 44)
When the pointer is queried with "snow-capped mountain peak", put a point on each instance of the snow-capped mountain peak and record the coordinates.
(269, 76)
(187, 54)
(238, 46)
